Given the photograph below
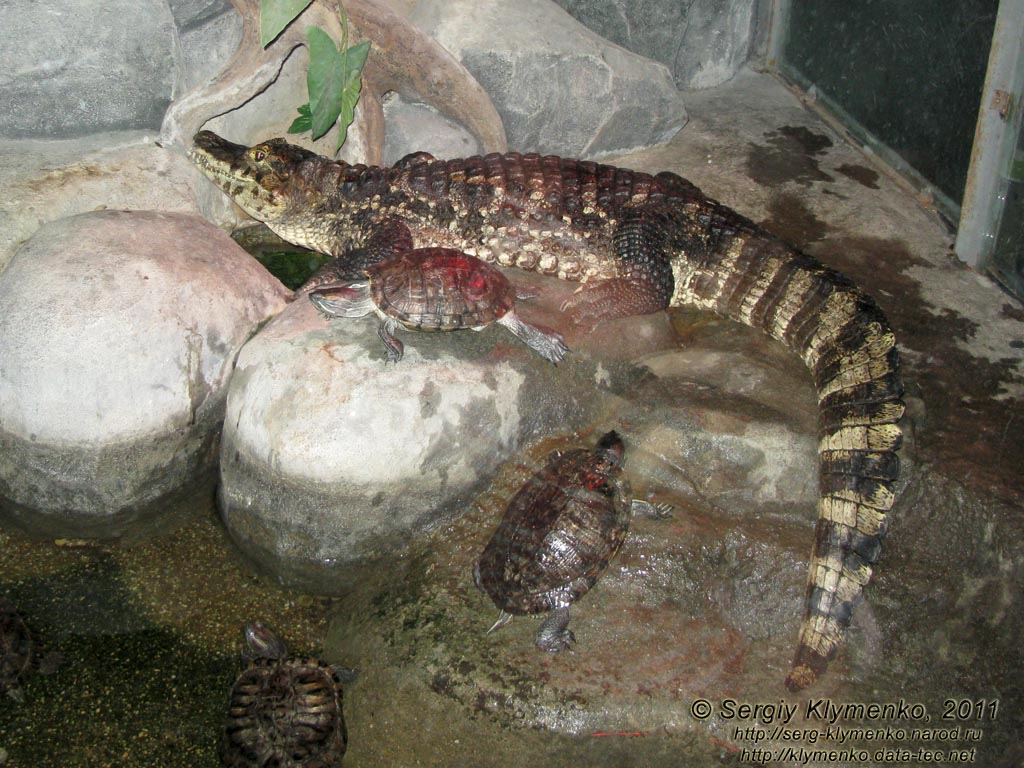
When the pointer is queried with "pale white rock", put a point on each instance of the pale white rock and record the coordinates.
(414, 127)
(44, 181)
(331, 457)
(119, 332)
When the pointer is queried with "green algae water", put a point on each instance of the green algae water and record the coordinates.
(149, 637)
(289, 263)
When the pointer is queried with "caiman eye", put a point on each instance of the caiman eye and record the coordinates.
(258, 154)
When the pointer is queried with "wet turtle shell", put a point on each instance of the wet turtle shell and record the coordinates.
(434, 289)
(440, 289)
(557, 537)
(283, 712)
(18, 650)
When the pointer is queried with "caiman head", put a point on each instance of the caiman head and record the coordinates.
(265, 180)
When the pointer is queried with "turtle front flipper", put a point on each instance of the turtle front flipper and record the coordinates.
(545, 343)
(346, 300)
(554, 635)
(386, 331)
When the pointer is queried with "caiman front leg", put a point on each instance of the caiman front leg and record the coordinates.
(642, 246)
(387, 239)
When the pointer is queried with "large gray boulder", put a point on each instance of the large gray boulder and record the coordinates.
(101, 67)
(703, 42)
(560, 88)
(119, 333)
(332, 459)
(209, 32)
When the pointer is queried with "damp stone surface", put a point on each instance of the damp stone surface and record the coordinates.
(331, 456)
(523, 54)
(119, 334)
(704, 601)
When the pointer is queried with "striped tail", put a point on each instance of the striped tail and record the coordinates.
(847, 343)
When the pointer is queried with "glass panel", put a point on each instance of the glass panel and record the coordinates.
(1007, 264)
(906, 73)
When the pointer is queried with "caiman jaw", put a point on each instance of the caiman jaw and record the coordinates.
(254, 177)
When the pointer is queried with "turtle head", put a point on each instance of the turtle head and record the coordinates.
(611, 448)
(264, 644)
(343, 300)
(265, 180)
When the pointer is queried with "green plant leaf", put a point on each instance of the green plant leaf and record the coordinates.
(304, 122)
(348, 110)
(355, 58)
(325, 80)
(275, 15)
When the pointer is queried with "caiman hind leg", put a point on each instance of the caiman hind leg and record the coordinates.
(414, 158)
(642, 246)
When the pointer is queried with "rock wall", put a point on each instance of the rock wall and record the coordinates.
(559, 87)
(703, 42)
(79, 67)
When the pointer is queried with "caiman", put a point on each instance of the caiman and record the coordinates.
(637, 243)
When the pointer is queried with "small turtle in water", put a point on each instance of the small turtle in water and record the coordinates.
(559, 533)
(20, 653)
(284, 712)
(435, 289)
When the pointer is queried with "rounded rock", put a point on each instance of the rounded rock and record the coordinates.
(332, 457)
(118, 333)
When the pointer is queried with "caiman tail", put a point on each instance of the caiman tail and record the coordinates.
(847, 344)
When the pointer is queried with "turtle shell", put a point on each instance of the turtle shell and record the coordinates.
(285, 713)
(440, 289)
(559, 532)
(17, 648)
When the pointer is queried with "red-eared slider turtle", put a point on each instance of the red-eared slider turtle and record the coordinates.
(20, 652)
(435, 289)
(284, 712)
(558, 535)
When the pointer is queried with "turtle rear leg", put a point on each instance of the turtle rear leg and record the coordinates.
(386, 331)
(659, 511)
(503, 618)
(545, 343)
(554, 635)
